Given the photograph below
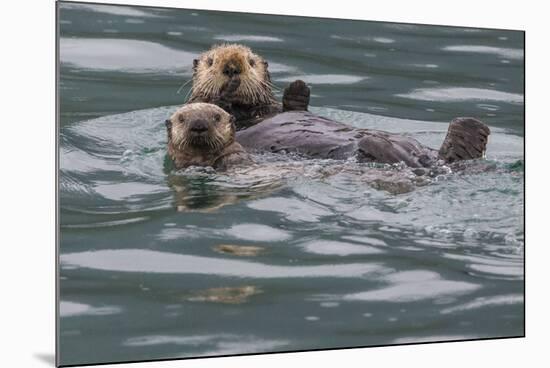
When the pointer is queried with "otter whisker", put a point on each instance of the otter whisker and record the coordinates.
(205, 87)
(188, 93)
(258, 93)
(210, 143)
(269, 85)
(252, 91)
(218, 142)
(183, 85)
(181, 145)
(246, 88)
(261, 90)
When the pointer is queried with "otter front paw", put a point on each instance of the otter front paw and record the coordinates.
(296, 96)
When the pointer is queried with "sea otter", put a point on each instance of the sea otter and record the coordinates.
(201, 134)
(237, 80)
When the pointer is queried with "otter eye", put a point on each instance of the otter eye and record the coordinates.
(217, 117)
(209, 61)
(180, 118)
(252, 62)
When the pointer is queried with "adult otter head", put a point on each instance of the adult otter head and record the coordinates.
(202, 134)
(231, 73)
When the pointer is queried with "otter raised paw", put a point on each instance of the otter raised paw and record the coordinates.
(466, 140)
(201, 134)
(296, 96)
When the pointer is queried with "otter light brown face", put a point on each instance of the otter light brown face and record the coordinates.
(200, 126)
(231, 72)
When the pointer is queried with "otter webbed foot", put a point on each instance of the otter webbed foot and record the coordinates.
(296, 96)
(466, 140)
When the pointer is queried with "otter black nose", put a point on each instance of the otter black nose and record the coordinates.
(231, 70)
(199, 126)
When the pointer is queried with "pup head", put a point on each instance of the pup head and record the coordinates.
(200, 126)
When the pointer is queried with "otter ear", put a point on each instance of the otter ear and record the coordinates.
(195, 64)
(266, 64)
(168, 124)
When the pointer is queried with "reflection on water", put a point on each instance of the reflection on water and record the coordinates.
(289, 253)
(229, 295)
(124, 55)
(324, 78)
(411, 286)
(147, 261)
(69, 309)
(244, 38)
(239, 250)
(460, 94)
(209, 345)
(500, 51)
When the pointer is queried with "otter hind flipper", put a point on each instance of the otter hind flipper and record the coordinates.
(296, 96)
(466, 140)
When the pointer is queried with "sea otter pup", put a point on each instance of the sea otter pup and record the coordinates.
(201, 134)
(238, 80)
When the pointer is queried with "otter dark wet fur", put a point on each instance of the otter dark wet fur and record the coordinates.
(237, 80)
(201, 134)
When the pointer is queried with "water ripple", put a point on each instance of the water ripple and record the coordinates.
(294, 209)
(71, 309)
(123, 55)
(110, 9)
(252, 38)
(324, 78)
(480, 49)
(483, 302)
(337, 248)
(455, 94)
(148, 261)
(410, 286)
